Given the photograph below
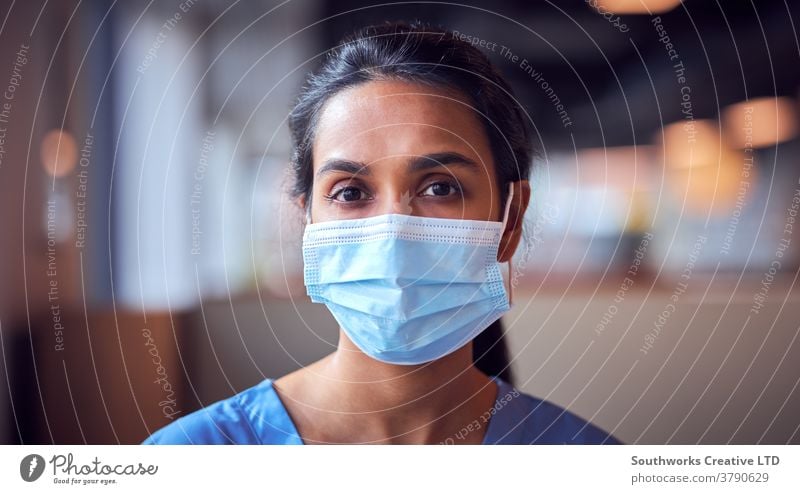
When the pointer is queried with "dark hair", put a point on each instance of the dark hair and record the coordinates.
(436, 57)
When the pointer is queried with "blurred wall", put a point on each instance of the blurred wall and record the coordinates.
(22, 215)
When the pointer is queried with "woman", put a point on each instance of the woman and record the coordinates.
(411, 160)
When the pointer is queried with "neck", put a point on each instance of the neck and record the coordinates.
(416, 403)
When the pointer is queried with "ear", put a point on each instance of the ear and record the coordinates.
(516, 213)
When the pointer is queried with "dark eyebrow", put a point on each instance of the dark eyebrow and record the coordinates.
(347, 166)
(418, 163)
(435, 160)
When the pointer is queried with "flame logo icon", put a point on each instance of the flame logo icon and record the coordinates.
(31, 468)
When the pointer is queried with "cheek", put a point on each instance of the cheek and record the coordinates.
(483, 208)
(484, 200)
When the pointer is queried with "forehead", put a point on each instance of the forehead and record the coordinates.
(380, 119)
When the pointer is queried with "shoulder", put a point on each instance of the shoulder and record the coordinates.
(531, 420)
(226, 421)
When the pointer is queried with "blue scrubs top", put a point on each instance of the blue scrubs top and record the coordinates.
(257, 416)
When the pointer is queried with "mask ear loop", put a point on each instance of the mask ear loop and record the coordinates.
(505, 223)
(308, 215)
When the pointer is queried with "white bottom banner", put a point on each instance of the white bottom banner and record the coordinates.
(400, 468)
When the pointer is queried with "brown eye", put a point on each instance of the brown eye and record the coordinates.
(441, 189)
(349, 194)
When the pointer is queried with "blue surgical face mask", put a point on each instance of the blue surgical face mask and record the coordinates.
(407, 289)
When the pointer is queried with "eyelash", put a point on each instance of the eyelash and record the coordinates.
(451, 183)
(334, 195)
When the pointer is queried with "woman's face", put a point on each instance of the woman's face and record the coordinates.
(399, 147)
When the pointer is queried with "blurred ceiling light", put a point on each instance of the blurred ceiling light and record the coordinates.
(620, 167)
(704, 175)
(691, 143)
(637, 6)
(714, 189)
(760, 122)
(59, 152)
